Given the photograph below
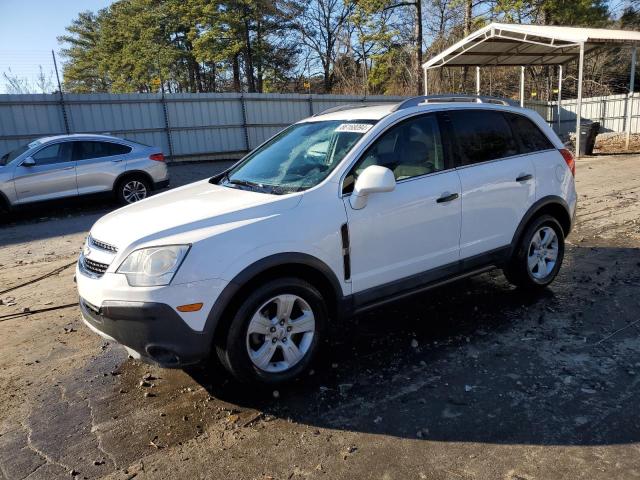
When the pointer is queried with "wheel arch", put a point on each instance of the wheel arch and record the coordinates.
(291, 264)
(133, 173)
(551, 205)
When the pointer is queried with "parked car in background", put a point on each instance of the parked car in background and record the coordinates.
(73, 165)
(335, 215)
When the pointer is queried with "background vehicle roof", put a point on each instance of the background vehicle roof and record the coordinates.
(81, 136)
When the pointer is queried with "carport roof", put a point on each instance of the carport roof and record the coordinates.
(506, 44)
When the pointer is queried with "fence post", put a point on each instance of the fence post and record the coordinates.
(632, 79)
(244, 121)
(310, 105)
(62, 106)
(167, 128)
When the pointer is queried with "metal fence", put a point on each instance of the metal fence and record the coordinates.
(186, 126)
(225, 125)
(611, 111)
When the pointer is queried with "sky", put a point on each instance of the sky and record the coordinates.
(28, 31)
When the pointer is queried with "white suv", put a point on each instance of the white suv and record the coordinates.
(338, 213)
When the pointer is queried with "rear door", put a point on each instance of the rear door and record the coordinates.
(52, 176)
(498, 184)
(98, 164)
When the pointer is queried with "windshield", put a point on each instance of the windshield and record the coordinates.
(298, 158)
(9, 157)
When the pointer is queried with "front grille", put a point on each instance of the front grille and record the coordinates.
(92, 267)
(102, 245)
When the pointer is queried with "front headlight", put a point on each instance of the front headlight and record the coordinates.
(153, 266)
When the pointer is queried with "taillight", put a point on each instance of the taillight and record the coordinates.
(571, 161)
(158, 157)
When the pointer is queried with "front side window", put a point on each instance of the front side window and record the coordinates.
(298, 158)
(409, 149)
(482, 135)
(56, 153)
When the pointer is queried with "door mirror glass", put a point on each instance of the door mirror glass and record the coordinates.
(28, 162)
(373, 179)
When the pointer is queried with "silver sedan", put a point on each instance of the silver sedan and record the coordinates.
(72, 165)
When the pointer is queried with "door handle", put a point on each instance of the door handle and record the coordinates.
(447, 198)
(69, 168)
(524, 178)
(117, 160)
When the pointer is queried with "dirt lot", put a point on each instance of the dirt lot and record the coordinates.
(472, 381)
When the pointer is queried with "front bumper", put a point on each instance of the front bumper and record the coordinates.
(154, 330)
(146, 320)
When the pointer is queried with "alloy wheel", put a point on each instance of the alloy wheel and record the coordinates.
(280, 333)
(543, 253)
(134, 191)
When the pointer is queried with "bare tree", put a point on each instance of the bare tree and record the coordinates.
(319, 23)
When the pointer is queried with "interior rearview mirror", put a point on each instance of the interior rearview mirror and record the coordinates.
(28, 162)
(374, 179)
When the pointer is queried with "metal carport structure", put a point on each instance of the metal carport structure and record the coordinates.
(500, 44)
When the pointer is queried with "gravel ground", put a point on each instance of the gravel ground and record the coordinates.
(474, 380)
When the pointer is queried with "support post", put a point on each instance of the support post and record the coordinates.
(426, 80)
(62, 105)
(245, 127)
(560, 100)
(632, 79)
(167, 125)
(579, 103)
(477, 80)
(522, 86)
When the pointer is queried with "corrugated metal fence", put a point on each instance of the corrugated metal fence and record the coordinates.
(186, 126)
(611, 111)
(191, 126)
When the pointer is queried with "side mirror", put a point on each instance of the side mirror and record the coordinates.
(28, 162)
(374, 179)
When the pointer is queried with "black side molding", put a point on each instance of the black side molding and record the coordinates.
(346, 250)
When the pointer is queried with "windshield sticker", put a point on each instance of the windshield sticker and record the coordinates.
(354, 127)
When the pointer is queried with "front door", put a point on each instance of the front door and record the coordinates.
(52, 176)
(400, 236)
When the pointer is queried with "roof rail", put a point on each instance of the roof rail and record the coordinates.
(349, 106)
(454, 98)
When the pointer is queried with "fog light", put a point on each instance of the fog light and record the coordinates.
(192, 307)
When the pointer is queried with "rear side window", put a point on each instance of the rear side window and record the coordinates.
(88, 150)
(482, 135)
(531, 138)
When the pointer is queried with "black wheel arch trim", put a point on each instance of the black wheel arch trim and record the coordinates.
(261, 266)
(534, 210)
(131, 173)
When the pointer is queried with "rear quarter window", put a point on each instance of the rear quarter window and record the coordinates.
(531, 137)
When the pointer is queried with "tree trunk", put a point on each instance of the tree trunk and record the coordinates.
(417, 29)
(251, 81)
(236, 73)
(468, 12)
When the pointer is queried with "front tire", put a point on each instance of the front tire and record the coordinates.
(538, 256)
(274, 335)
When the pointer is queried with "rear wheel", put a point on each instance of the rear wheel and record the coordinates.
(538, 256)
(274, 335)
(132, 189)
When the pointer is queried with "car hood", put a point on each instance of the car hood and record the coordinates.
(187, 214)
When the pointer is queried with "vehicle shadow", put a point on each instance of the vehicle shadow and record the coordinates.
(479, 361)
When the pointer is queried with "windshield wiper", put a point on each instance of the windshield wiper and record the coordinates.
(245, 183)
